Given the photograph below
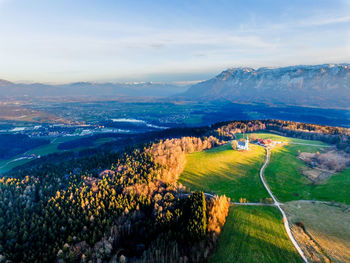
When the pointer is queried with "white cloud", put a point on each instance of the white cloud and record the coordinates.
(325, 21)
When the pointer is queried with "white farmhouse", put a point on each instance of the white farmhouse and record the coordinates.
(243, 145)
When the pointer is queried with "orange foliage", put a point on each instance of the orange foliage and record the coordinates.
(172, 154)
(218, 211)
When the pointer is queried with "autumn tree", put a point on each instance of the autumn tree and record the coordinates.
(234, 144)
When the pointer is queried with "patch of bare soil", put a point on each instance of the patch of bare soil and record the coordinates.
(317, 175)
(321, 229)
(312, 250)
(321, 166)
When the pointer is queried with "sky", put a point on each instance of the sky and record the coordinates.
(57, 41)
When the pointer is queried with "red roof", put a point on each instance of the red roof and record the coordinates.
(267, 141)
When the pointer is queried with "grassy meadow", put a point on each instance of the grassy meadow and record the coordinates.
(328, 225)
(224, 171)
(276, 137)
(7, 165)
(254, 234)
(284, 175)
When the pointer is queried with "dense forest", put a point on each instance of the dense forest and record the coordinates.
(79, 211)
(115, 204)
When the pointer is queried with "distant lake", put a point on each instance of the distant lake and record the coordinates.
(133, 125)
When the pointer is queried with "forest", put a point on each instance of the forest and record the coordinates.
(79, 211)
(118, 204)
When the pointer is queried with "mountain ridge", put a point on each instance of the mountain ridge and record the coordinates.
(91, 89)
(326, 85)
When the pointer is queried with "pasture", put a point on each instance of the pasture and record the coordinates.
(254, 234)
(276, 137)
(225, 171)
(287, 182)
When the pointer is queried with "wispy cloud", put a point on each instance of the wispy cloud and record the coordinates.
(94, 45)
(86, 46)
(325, 21)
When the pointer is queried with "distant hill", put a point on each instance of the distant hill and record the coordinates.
(325, 86)
(144, 89)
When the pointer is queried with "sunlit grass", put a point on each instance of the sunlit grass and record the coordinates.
(276, 137)
(284, 175)
(254, 234)
(223, 170)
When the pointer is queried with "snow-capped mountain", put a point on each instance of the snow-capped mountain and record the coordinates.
(321, 85)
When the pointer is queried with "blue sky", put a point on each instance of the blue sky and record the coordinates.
(165, 41)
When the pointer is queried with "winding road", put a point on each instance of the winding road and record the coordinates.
(275, 204)
(275, 201)
(278, 205)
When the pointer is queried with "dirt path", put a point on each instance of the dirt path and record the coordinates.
(278, 205)
(236, 203)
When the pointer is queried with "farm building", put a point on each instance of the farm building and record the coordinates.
(243, 145)
(267, 142)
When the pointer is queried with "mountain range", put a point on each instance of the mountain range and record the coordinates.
(89, 89)
(326, 86)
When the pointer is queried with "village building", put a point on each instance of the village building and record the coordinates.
(243, 145)
(267, 142)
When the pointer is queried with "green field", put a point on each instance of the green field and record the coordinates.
(284, 175)
(276, 137)
(224, 171)
(7, 165)
(254, 234)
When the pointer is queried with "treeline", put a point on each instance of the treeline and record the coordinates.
(203, 225)
(171, 153)
(333, 135)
